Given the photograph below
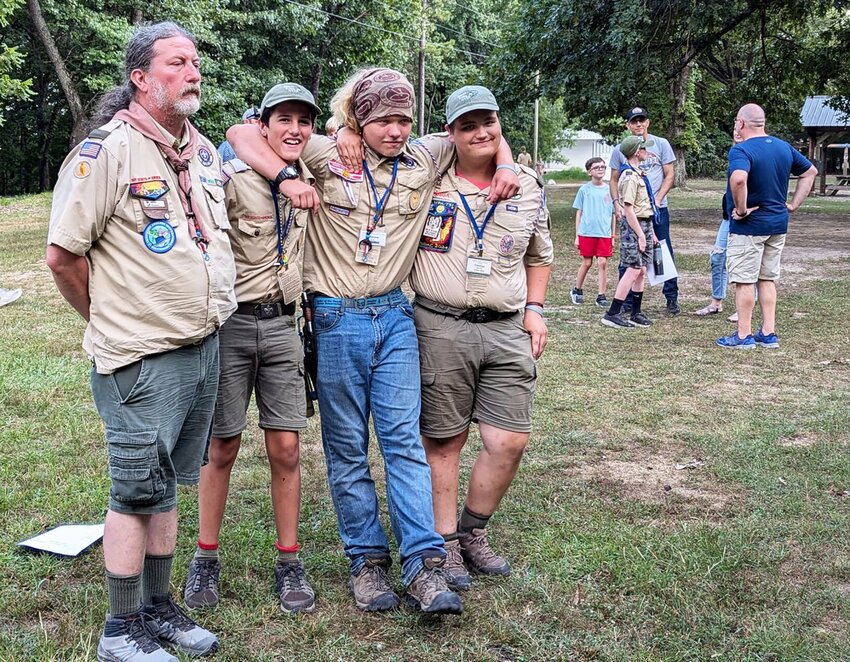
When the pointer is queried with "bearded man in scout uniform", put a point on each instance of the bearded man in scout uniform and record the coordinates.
(480, 278)
(261, 351)
(137, 246)
(360, 249)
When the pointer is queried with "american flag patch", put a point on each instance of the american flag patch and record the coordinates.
(90, 149)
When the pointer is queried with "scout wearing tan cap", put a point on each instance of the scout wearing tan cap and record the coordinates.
(480, 278)
(261, 352)
(137, 245)
(359, 251)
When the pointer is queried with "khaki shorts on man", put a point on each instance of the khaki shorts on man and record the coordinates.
(751, 258)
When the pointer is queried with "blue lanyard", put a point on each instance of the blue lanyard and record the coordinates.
(645, 177)
(282, 233)
(379, 202)
(479, 231)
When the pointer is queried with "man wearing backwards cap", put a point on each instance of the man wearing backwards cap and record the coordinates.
(360, 249)
(261, 351)
(658, 166)
(480, 279)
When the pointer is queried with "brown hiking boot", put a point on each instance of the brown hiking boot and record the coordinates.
(371, 587)
(429, 591)
(455, 572)
(479, 556)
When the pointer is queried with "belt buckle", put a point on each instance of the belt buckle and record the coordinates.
(266, 311)
(478, 316)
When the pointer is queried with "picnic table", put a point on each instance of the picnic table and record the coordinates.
(842, 183)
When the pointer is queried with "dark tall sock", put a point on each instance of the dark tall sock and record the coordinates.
(616, 307)
(125, 594)
(637, 298)
(156, 578)
(469, 520)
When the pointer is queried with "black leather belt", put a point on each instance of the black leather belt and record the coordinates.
(483, 315)
(265, 311)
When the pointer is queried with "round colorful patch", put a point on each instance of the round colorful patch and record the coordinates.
(204, 156)
(159, 236)
(506, 244)
(82, 169)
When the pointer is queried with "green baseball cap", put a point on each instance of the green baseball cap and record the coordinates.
(467, 98)
(632, 144)
(288, 92)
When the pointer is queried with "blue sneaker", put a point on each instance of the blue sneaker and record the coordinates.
(732, 341)
(768, 340)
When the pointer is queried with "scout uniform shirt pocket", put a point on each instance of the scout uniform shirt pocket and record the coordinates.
(256, 239)
(410, 187)
(215, 201)
(151, 200)
(342, 189)
(439, 226)
(512, 230)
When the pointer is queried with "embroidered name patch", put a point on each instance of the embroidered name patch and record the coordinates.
(339, 210)
(512, 208)
(211, 181)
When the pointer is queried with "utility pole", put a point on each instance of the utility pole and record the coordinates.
(422, 69)
(536, 117)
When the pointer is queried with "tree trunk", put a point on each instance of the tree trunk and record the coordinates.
(679, 93)
(65, 80)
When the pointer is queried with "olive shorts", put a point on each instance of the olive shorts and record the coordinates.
(158, 417)
(262, 356)
(474, 372)
(750, 258)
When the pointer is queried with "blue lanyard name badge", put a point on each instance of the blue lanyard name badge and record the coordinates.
(478, 266)
(288, 274)
(370, 238)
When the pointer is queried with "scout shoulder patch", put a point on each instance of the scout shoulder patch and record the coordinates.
(90, 149)
(205, 156)
(440, 226)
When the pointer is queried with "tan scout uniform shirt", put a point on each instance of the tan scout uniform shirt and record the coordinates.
(632, 190)
(254, 233)
(333, 264)
(143, 301)
(516, 236)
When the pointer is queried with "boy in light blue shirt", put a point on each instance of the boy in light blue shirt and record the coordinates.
(594, 230)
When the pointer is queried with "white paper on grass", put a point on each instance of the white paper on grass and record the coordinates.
(65, 539)
(669, 267)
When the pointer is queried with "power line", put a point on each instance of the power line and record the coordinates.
(375, 27)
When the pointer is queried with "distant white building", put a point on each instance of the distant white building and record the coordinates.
(586, 144)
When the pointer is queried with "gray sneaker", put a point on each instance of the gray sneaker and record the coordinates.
(479, 556)
(371, 587)
(131, 639)
(202, 583)
(429, 591)
(171, 625)
(294, 589)
(455, 572)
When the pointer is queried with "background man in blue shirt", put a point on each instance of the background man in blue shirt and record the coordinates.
(757, 191)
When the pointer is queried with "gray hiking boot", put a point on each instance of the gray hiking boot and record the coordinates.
(429, 591)
(455, 572)
(294, 589)
(131, 639)
(202, 583)
(171, 625)
(479, 556)
(371, 587)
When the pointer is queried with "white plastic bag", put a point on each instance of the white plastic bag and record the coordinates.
(669, 267)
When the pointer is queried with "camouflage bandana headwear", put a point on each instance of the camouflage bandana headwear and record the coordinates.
(380, 93)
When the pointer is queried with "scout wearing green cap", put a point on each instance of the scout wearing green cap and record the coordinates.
(469, 98)
(287, 92)
(631, 144)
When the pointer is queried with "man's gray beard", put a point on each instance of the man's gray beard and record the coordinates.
(182, 107)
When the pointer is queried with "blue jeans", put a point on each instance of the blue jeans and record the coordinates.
(369, 365)
(717, 257)
(661, 227)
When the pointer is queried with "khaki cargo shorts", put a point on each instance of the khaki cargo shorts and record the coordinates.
(474, 372)
(750, 258)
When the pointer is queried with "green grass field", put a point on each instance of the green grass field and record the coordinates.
(677, 501)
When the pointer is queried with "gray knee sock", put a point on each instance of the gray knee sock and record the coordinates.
(156, 577)
(125, 593)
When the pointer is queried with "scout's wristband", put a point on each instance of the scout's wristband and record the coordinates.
(535, 306)
(506, 166)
